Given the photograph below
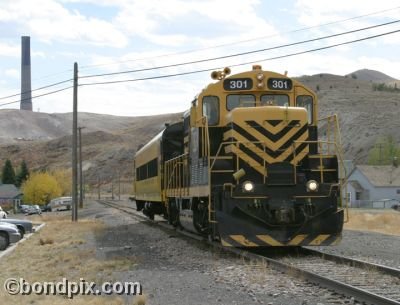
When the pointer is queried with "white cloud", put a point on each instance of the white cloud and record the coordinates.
(10, 50)
(14, 73)
(49, 21)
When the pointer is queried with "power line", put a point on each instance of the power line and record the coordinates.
(48, 86)
(242, 64)
(242, 41)
(36, 96)
(242, 53)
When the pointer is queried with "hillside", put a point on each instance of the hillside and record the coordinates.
(364, 114)
(371, 76)
(109, 142)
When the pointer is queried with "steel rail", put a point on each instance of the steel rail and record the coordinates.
(352, 261)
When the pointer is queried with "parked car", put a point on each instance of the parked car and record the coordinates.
(34, 209)
(24, 226)
(46, 208)
(3, 214)
(61, 202)
(24, 208)
(8, 234)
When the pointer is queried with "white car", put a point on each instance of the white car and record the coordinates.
(3, 214)
(60, 203)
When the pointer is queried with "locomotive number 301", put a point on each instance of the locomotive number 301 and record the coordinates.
(279, 84)
(238, 84)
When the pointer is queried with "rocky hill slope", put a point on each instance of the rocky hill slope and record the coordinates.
(109, 142)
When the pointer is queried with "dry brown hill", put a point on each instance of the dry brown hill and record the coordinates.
(108, 142)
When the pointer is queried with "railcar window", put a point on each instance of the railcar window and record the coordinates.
(275, 99)
(306, 101)
(240, 100)
(211, 109)
(148, 170)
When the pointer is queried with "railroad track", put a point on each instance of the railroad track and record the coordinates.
(362, 281)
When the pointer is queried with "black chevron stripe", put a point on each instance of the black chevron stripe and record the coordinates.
(247, 135)
(273, 153)
(251, 154)
(274, 122)
(297, 135)
(298, 150)
(271, 136)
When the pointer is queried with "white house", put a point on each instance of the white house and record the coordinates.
(374, 186)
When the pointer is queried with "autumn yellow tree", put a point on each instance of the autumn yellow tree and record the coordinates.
(40, 188)
(64, 180)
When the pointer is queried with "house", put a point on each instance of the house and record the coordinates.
(374, 186)
(10, 196)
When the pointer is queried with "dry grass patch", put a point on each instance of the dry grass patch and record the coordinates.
(381, 221)
(62, 250)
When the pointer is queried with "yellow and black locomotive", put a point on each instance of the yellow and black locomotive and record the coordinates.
(246, 166)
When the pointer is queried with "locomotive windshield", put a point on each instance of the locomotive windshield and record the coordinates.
(240, 100)
(275, 100)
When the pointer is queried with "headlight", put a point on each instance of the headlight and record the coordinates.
(248, 186)
(312, 185)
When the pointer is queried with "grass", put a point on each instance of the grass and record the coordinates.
(63, 249)
(381, 221)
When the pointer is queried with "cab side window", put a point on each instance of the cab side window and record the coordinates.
(306, 101)
(211, 109)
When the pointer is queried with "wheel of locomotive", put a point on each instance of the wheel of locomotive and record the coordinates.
(173, 216)
(200, 216)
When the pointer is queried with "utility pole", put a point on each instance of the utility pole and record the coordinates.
(80, 169)
(74, 147)
(112, 187)
(119, 185)
(98, 187)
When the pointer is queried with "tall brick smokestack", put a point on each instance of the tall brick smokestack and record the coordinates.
(26, 94)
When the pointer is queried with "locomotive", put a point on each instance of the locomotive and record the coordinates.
(246, 165)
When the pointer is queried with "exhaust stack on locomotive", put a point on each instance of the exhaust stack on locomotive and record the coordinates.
(246, 166)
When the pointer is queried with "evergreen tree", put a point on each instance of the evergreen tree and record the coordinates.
(8, 173)
(23, 174)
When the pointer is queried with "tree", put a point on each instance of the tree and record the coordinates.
(40, 188)
(22, 174)
(384, 151)
(64, 180)
(8, 173)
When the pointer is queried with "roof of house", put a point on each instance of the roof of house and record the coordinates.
(357, 186)
(9, 191)
(381, 175)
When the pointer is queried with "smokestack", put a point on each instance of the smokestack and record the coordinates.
(26, 94)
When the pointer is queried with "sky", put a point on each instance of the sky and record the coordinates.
(108, 36)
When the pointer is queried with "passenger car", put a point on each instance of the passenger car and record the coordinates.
(8, 234)
(23, 226)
